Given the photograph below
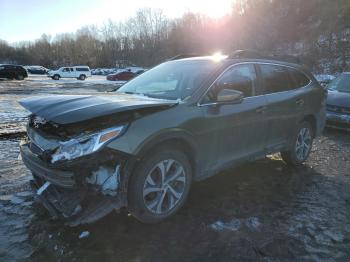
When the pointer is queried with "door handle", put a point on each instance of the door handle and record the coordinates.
(300, 102)
(261, 109)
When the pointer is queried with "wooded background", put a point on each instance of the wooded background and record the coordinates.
(317, 32)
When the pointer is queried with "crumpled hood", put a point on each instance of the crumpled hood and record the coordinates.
(336, 98)
(67, 109)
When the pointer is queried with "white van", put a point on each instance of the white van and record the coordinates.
(78, 72)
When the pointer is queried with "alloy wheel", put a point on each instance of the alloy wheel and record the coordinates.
(303, 144)
(164, 186)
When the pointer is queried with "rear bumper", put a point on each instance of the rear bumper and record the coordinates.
(338, 121)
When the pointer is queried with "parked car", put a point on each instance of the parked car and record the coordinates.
(96, 71)
(338, 103)
(37, 70)
(78, 72)
(324, 80)
(13, 72)
(182, 121)
(121, 76)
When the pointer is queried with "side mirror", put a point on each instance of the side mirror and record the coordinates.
(229, 96)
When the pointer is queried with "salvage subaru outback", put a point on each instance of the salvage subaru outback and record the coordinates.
(141, 147)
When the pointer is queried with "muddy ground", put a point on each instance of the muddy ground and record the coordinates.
(259, 211)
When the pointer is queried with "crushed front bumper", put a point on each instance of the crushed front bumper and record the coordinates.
(41, 169)
(75, 207)
(338, 121)
(68, 197)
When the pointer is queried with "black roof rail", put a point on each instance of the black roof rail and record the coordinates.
(181, 56)
(253, 54)
(287, 58)
(248, 54)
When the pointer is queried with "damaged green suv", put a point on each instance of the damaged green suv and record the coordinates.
(141, 147)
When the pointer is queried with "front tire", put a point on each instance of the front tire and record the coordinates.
(301, 147)
(159, 185)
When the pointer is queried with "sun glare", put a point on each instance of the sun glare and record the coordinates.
(216, 57)
(215, 9)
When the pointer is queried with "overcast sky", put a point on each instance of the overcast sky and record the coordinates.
(29, 19)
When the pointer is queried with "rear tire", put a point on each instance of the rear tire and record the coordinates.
(159, 185)
(82, 77)
(56, 77)
(19, 77)
(301, 145)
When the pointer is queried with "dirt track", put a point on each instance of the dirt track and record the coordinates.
(262, 210)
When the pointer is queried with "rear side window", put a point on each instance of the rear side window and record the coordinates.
(300, 79)
(82, 69)
(276, 78)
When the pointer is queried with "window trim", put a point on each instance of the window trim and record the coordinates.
(216, 79)
(295, 80)
(259, 80)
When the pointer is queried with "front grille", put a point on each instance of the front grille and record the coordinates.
(339, 109)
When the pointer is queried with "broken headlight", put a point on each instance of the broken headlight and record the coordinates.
(85, 145)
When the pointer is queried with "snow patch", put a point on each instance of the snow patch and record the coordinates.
(232, 225)
(253, 223)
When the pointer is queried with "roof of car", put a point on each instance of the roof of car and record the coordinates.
(241, 60)
(230, 61)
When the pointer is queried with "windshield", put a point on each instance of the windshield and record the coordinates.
(171, 80)
(341, 83)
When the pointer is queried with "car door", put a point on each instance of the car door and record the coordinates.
(10, 71)
(72, 72)
(284, 104)
(123, 76)
(65, 72)
(240, 127)
(130, 75)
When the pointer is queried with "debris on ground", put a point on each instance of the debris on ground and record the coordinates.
(253, 223)
(84, 234)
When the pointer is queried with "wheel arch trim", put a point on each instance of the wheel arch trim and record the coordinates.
(178, 137)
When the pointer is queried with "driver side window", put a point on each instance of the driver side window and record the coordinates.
(240, 78)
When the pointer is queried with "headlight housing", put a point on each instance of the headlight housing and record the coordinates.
(85, 145)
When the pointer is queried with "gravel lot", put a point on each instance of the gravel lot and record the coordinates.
(259, 211)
